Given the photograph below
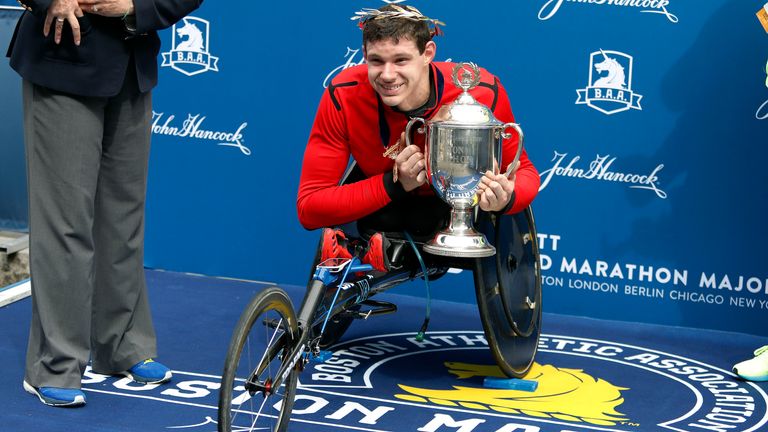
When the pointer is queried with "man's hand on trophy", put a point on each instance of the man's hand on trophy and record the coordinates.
(496, 189)
(410, 167)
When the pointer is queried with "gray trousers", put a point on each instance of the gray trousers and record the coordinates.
(87, 170)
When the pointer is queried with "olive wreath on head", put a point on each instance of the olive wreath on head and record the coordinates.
(406, 12)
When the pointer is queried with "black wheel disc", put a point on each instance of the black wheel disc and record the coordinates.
(508, 289)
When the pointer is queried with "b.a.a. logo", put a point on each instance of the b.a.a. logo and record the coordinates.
(190, 54)
(562, 393)
(610, 83)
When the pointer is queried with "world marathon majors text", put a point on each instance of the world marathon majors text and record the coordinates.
(650, 274)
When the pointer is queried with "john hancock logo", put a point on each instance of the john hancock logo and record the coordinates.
(190, 54)
(610, 83)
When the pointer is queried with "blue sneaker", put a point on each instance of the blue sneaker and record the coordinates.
(149, 372)
(755, 369)
(57, 396)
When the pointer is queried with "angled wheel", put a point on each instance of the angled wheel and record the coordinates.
(518, 270)
(264, 335)
(508, 289)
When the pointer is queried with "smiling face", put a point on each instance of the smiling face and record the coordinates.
(399, 72)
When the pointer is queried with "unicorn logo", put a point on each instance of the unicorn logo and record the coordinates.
(615, 77)
(564, 394)
(610, 88)
(190, 42)
(194, 37)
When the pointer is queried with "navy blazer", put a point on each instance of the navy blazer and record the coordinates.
(97, 67)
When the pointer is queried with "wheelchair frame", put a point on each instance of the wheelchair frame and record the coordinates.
(507, 285)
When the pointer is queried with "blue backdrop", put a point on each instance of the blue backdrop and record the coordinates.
(653, 191)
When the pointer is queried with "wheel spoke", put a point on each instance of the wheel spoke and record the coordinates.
(268, 348)
(256, 417)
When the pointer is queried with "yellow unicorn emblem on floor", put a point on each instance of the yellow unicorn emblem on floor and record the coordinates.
(563, 394)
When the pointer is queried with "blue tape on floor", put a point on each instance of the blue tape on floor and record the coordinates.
(510, 384)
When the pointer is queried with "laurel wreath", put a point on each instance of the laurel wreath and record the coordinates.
(405, 12)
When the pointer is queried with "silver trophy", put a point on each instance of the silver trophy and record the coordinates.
(463, 141)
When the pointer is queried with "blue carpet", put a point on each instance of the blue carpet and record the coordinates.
(593, 374)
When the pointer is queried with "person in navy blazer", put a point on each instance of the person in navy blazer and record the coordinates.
(88, 68)
(94, 62)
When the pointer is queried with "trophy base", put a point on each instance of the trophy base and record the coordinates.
(471, 244)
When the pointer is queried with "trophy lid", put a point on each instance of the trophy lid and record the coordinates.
(465, 110)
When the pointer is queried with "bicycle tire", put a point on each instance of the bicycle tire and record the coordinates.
(269, 320)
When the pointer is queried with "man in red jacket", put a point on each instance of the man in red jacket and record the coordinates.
(364, 112)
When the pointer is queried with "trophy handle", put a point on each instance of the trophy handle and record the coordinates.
(408, 129)
(506, 135)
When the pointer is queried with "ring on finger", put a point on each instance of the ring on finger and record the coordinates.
(59, 20)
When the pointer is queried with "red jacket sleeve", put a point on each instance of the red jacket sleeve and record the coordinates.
(527, 178)
(321, 200)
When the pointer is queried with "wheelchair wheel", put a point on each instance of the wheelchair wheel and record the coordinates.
(265, 334)
(508, 289)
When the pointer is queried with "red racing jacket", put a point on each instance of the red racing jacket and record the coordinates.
(352, 120)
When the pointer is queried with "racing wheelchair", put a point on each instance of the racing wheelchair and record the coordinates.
(272, 343)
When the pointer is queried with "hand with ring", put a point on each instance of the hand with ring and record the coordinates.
(108, 8)
(61, 11)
